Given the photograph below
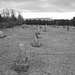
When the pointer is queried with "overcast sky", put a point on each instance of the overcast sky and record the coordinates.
(41, 8)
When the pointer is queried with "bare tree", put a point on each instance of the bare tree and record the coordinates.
(3, 13)
(20, 18)
(13, 17)
(7, 13)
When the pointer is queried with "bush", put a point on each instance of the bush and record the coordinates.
(9, 24)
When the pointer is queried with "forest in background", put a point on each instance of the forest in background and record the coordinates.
(8, 19)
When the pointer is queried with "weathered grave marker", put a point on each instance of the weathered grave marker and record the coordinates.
(20, 65)
(68, 28)
(64, 26)
(2, 35)
(45, 28)
(36, 42)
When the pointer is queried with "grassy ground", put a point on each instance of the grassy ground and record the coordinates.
(56, 56)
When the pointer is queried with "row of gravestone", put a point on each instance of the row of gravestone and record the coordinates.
(21, 64)
(36, 42)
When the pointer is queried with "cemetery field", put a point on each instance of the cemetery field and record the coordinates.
(55, 56)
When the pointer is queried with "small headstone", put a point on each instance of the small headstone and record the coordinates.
(64, 26)
(36, 42)
(21, 64)
(40, 27)
(68, 28)
(45, 29)
(2, 35)
(1, 32)
(22, 50)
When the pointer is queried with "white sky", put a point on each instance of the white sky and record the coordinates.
(54, 15)
(60, 9)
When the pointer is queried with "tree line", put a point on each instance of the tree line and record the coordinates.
(59, 22)
(9, 19)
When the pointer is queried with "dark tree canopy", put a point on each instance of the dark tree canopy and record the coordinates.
(8, 19)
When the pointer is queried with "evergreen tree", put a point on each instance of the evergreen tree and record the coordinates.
(1, 18)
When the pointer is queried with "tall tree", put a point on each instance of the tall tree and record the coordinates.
(13, 18)
(73, 21)
(1, 18)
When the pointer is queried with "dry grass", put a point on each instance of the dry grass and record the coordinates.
(55, 57)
